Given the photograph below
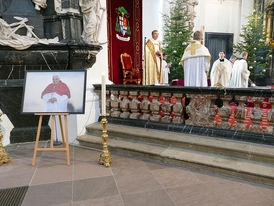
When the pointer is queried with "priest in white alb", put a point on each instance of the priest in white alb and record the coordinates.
(196, 62)
(153, 72)
(221, 71)
(240, 73)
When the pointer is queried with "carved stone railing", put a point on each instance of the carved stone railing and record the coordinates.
(230, 112)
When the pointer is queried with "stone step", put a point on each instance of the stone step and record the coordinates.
(239, 149)
(246, 169)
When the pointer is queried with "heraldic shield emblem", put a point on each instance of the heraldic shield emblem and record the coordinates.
(122, 22)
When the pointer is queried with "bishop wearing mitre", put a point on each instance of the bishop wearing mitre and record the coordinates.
(221, 71)
(153, 73)
(196, 62)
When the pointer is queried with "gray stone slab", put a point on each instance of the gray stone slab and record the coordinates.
(152, 198)
(94, 188)
(49, 194)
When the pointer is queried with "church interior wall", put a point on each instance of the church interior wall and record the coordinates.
(223, 16)
(153, 17)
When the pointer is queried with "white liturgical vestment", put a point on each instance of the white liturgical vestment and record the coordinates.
(166, 71)
(153, 73)
(60, 105)
(240, 74)
(196, 63)
(221, 73)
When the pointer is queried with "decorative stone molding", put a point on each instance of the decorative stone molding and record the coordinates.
(248, 110)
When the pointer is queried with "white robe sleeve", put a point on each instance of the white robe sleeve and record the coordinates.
(213, 76)
(244, 75)
(47, 96)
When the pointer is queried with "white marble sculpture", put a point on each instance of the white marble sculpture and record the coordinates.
(92, 16)
(58, 6)
(40, 4)
(191, 11)
(8, 36)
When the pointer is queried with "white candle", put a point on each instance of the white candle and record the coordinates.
(103, 94)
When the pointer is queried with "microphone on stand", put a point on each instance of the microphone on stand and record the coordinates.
(144, 68)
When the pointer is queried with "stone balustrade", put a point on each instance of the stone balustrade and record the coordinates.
(226, 110)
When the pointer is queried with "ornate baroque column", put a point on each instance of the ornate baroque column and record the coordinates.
(178, 109)
(145, 105)
(124, 104)
(155, 107)
(134, 105)
(115, 104)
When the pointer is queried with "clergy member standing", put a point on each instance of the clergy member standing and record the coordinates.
(240, 73)
(153, 73)
(196, 62)
(221, 71)
(166, 68)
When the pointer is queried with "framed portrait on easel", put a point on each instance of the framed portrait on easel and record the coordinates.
(54, 92)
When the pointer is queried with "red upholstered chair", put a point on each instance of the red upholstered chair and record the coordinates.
(177, 82)
(130, 74)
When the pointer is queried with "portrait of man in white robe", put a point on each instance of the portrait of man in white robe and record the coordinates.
(56, 96)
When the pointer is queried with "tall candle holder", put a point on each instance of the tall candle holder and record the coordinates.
(105, 157)
(4, 157)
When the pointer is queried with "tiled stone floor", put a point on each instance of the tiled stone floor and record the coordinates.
(129, 182)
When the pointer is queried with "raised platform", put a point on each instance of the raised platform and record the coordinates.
(241, 159)
(245, 136)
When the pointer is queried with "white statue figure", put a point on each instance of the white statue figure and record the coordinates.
(92, 16)
(8, 37)
(40, 4)
(191, 11)
(58, 6)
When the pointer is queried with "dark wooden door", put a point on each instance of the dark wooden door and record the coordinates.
(215, 42)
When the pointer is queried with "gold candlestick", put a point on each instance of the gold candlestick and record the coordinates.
(105, 157)
(4, 157)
